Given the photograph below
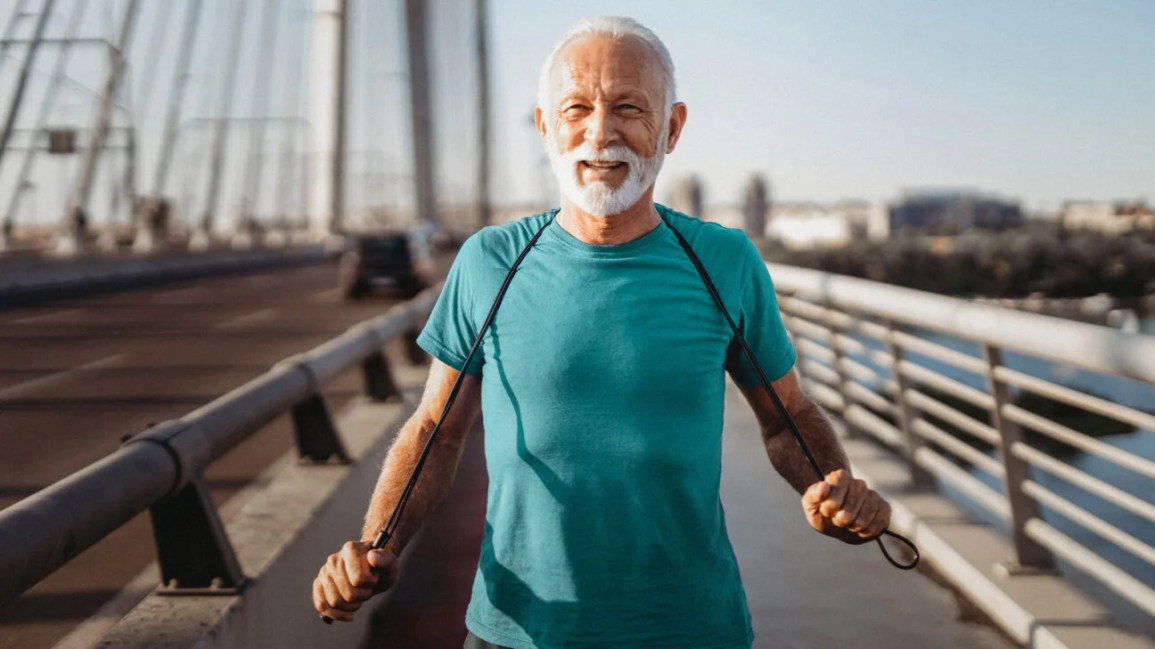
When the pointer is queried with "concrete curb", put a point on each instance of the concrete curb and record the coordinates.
(1008, 615)
(1041, 611)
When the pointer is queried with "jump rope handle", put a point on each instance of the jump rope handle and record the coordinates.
(378, 543)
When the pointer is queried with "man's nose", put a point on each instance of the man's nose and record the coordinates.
(601, 128)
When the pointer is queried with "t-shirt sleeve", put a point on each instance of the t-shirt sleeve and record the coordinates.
(760, 323)
(451, 329)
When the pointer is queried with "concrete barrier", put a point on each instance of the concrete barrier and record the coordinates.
(281, 536)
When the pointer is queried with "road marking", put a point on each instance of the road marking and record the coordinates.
(44, 317)
(48, 380)
(247, 319)
(186, 291)
(329, 295)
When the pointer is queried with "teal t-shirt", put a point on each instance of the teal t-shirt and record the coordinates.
(602, 388)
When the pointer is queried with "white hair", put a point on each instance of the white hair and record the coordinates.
(617, 27)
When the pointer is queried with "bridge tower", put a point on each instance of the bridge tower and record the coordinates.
(329, 55)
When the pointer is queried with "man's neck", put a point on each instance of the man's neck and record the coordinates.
(640, 218)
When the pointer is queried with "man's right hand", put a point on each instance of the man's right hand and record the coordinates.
(350, 577)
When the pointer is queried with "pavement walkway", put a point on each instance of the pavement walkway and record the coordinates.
(808, 591)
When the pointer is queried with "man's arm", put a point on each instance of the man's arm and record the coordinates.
(354, 574)
(437, 474)
(838, 505)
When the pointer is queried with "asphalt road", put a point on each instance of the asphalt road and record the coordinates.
(77, 376)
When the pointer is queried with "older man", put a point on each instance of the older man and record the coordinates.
(601, 380)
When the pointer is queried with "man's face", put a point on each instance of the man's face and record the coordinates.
(605, 129)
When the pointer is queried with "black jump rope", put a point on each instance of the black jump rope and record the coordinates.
(390, 527)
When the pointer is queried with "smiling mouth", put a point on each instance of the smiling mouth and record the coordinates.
(601, 166)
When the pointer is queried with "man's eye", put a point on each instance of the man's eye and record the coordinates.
(629, 109)
(575, 108)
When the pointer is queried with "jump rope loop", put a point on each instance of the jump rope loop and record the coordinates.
(902, 539)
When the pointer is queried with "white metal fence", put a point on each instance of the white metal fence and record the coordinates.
(1044, 424)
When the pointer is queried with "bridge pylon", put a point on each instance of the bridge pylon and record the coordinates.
(328, 57)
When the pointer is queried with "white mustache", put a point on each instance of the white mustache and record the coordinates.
(587, 153)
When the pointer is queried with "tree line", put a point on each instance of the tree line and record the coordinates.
(1033, 259)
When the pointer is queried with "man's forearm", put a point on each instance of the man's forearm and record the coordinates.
(835, 503)
(432, 486)
(788, 458)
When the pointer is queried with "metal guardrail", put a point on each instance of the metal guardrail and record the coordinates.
(882, 358)
(159, 470)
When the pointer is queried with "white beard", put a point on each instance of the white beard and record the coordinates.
(599, 198)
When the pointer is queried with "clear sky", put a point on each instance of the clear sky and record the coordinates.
(1039, 100)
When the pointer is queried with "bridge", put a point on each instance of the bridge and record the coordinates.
(192, 413)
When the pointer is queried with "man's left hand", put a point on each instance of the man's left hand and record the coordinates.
(844, 507)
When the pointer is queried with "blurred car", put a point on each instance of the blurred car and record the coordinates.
(398, 260)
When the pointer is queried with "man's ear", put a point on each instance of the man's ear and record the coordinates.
(677, 122)
(539, 121)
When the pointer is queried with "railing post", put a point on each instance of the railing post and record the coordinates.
(379, 383)
(919, 476)
(416, 354)
(317, 439)
(799, 355)
(1030, 555)
(852, 431)
(195, 555)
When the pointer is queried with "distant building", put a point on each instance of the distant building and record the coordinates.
(687, 196)
(952, 210)
(729, 215)
(1106, 217)
(755, 205)
(815, 225)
